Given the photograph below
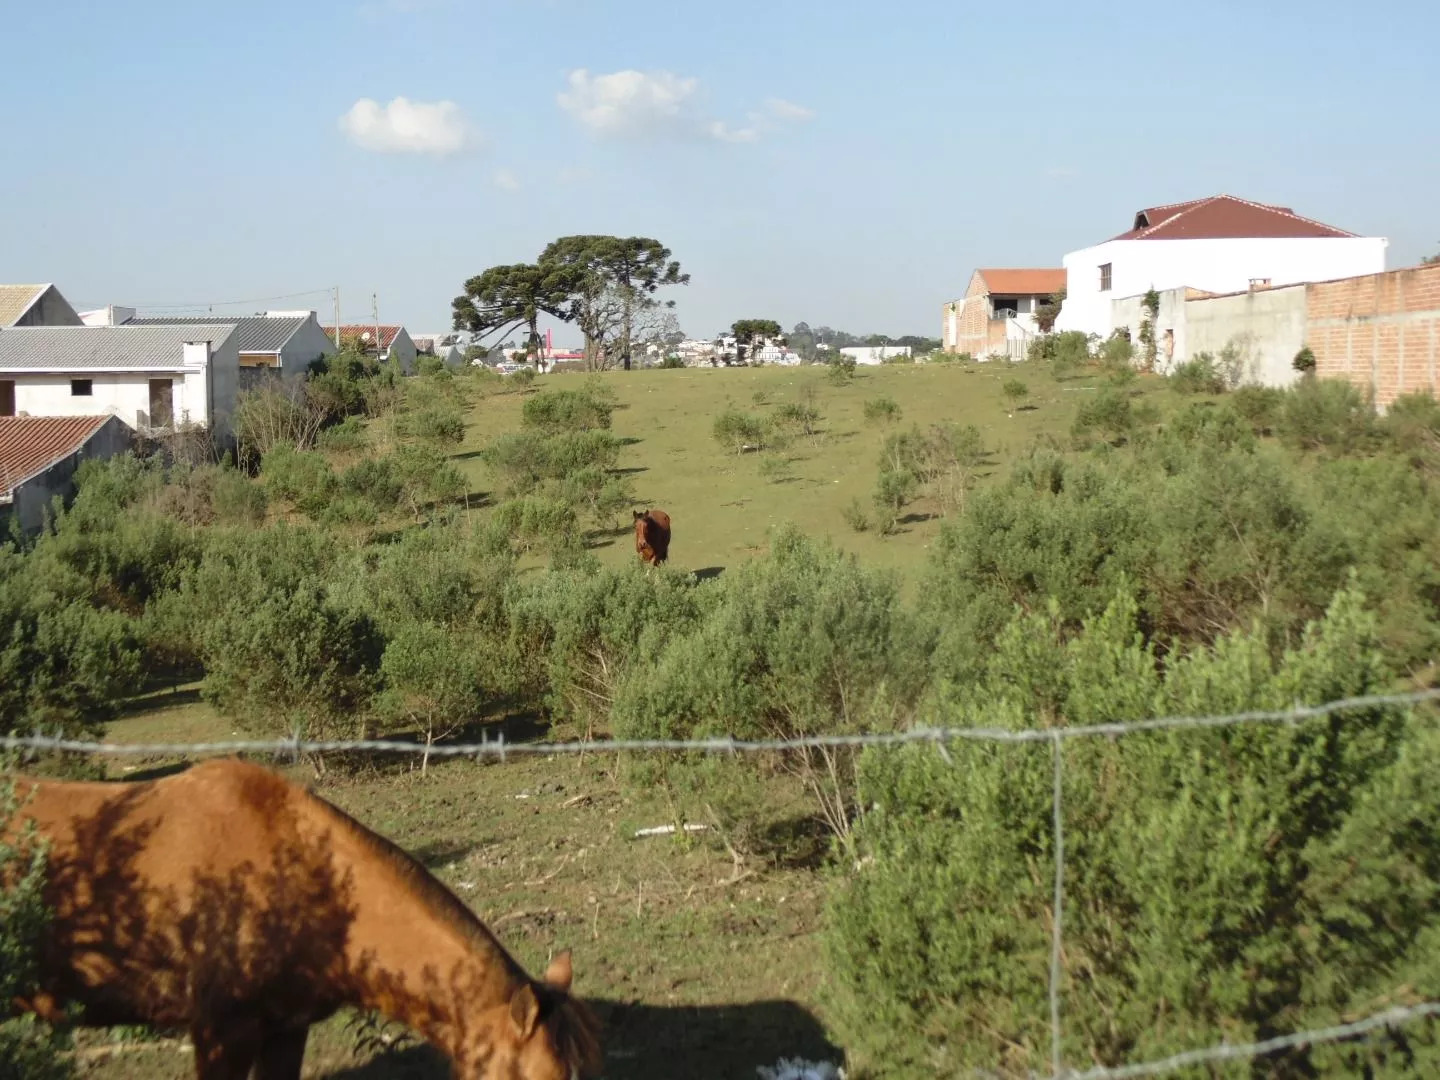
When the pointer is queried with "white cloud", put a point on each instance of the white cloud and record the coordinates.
(408, 127)
(638, 104)
(506, 180)
(630, 103)
(781, 109)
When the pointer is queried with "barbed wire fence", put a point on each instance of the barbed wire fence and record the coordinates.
(296, 746)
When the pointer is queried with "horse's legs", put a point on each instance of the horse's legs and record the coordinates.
(281, 1054)
(222, 1054)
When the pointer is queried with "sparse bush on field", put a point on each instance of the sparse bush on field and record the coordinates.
(277, 413)
(855, 516)
(433, 679)
(521, 380)
(796, 418)
(841, 370)
(300, 477)
(1015, 392)
(882, 410)
(428, 364)
(774, 467)
(894, 490)
(1312, 896)
(441, 425)
(1259, 405)
(1065, 352)
(557, 411)
(738, 431)
(536, 523)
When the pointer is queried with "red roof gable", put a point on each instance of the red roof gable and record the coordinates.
(1023, 282)
(364, 334)
(31, 444)
(1224, 217)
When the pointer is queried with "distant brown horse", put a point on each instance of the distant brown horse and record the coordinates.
(652, 536)
(230, 902)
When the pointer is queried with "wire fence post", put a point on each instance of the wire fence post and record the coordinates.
(1057, 1062)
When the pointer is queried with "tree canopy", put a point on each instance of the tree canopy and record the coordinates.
(751, 332)
(504, 297)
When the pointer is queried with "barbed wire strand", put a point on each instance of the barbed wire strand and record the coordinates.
(499, 748)
(1248, 1051)
(296, 746)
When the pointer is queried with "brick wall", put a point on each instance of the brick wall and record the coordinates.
(974, 316)
(1381, 331)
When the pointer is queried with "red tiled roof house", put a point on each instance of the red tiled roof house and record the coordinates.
(39, 456)
(1218, 244)
(395, 341)
(996, 316)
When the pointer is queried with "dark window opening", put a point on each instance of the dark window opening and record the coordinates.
(82, 387)
(162, 399)
(7, 398)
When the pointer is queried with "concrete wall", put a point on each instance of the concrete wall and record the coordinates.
(402, 349)
(32, 498)
(1380, 331)
(1219, 266)
(1170, 324)
(306, 345)
(1264, 329)
(110, 315)
(874, 354)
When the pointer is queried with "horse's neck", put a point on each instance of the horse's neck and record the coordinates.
(423, 967)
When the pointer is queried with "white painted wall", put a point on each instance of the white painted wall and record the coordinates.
(110, 315)
(203, 390)
(1212, 265)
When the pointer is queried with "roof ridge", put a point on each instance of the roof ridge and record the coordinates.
(1287, 212)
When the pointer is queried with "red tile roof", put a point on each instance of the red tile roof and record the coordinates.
(1023, 282)
(1223, 217)
(31, 444)
(364, 333)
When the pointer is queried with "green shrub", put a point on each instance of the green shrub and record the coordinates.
(882, 410)
(1064, 352)
(795, 418)
(855, 516)
(428, 364)
(521, 379)
(300, 477)
(799, 641)
(532, 523)
(1015, 392)
(347, 436)
(1260, 405)
(1311, 895)
(739, 431)
(671, 363)
(1198, 376)
(29, 1050)
(841, 369)
(1117, 351)
(237, 499)
(894, 490)
(442, 425)
(1327, 414)
(1110, 412)
(1304, 361)
(433, 679)
(556, 411)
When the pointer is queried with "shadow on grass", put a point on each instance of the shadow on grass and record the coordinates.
(658, 1042)
(708, 573)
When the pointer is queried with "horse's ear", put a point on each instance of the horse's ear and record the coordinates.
(637, 514)
(559, 973)
(525, 1010)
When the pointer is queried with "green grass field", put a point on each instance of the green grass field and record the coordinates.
(721, 504)
(701, 968)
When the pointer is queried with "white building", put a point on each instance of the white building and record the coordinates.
(1220, 244)
(35, 305)
(874, 354)
(152, 377)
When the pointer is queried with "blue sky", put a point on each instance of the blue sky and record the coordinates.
(843, 163)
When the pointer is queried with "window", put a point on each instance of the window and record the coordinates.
(81, 387)
(1105, 277)
(7, 397)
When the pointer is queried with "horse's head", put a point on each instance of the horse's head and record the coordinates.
(546, 1034)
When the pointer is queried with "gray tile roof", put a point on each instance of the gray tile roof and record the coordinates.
(260, 333)
(102, 348)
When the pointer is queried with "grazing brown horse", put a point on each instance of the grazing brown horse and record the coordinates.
(652, 536)
(230, 902)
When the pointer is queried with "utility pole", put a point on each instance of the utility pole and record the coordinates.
(337, 316)
(375, 315)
